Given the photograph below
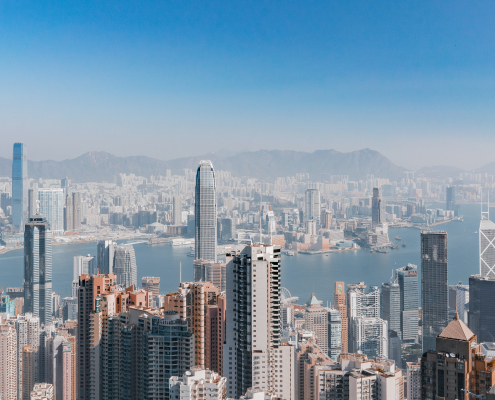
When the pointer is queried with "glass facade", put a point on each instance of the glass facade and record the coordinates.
(19, 187)
(206, 213)
(51, 206)
(434, 286)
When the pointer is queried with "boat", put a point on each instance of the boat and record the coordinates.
(381, 251)
(397, 237)
(395, 247)
(290, 253)
(403, 244)
(191, 254)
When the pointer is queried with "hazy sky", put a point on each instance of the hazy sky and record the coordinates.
(414, 80)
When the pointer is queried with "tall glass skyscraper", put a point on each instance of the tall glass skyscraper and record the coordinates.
(51, 205)
(206, 212)
(125, 265)
(434, 286)
(407, 277)
(19, 187)
(312, 204)
(38, 268)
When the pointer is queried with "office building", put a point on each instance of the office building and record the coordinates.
(19, 187)
(370, 336)
(206, 213)
(51, 205)
(390, 306)
(339, 304)
(105, 256)
(253, 350)
(177, 210)
(73, 212)
(413, 381)
(457, 366)
(377, 208)
(38, 268)
(42, 391)
(125, 267)
(394, 347)
(334, 334)
(198, 384)
(434, 286)
(316, 321)
(360, 304)
(216, 273)
(450, 198)
(228, 229)
(312, 205)
(32, 202)
(8, 362)
(481, 307)
(151, 283)
(84, 265)
(69, 307)
(487, 248)
(407, 277)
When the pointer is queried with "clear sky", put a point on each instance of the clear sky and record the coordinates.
(412, 79)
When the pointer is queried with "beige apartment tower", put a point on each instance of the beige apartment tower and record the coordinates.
(339, 304)
(151, 283)
(8, 362)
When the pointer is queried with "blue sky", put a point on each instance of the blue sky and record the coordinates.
(413, 80)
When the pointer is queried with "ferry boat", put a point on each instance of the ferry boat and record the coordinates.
(397, 237)
(403, 244)
(290, 253)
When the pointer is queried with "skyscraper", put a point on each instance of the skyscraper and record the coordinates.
(253, 350)
(8, 362)
(51, 205)
(334, 334)
(450, 198)
(125, 266)
(339, 304)
(407, 277)
(377, 208)
(481, 300)
(316, 321)
(434, 286)
(105, 256)
(38, 268)
(32, 202)
(19, 187)
(487, 247)
(206, 212)
(390, 306)
(177, 211)
(312, 205)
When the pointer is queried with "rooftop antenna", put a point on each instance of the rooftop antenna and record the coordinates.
(485, 214)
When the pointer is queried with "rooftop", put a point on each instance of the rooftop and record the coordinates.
(457, 329)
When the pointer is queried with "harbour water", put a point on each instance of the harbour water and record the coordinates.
(300, 274)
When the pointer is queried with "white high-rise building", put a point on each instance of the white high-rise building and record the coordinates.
(177, 211)
(206, 213)
(84, 265)
(254, 356)
(51, 206)
(312, 205)
(487, 248)
(125, 266)
(105, 256)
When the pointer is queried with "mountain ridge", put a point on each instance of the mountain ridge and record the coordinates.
(100, 166)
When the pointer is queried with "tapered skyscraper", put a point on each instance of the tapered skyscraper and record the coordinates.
(19, 187)
(434, 286)
(38, 268)
(206, 212)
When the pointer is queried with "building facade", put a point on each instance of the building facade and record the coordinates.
(38, 268)
(434, 286)
(481, 318)
(487, 248)
(312, 205)
(316, 321)
(407, 277)
(206, 213)
(19, 187)
(125, 267)
(51, 205)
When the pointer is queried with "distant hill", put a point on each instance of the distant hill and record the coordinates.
(488, 168)
(440, 171)
(263, 164)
